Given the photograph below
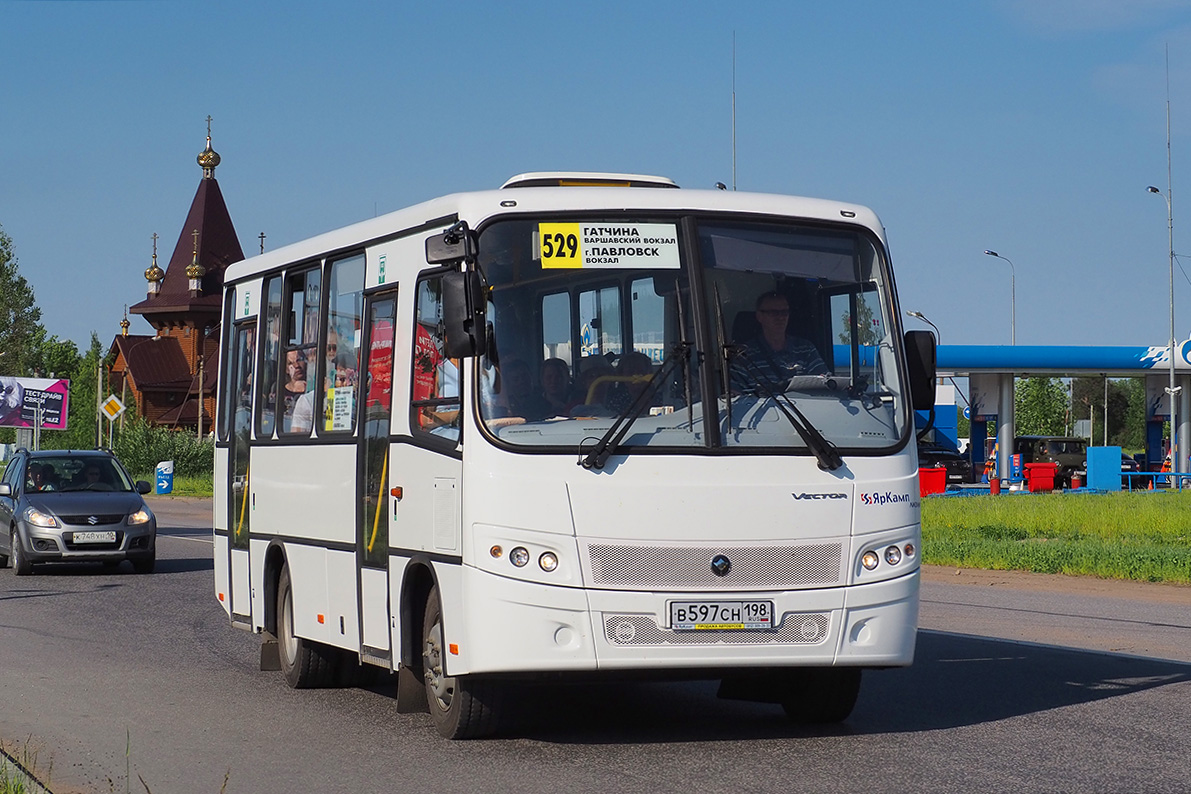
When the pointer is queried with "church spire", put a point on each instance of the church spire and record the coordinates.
(154, 274)
(208, 158)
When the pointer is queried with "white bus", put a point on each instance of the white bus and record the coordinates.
(583, 424)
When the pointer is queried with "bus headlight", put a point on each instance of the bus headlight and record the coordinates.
(893, 555)
(870, 560)
(519, 556)
(548, 562)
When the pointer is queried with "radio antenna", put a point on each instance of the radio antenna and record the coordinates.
(734, 110)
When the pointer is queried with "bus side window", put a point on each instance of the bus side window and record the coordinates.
(266, 418)
(301, 362)
(341, 351)
(435, 402)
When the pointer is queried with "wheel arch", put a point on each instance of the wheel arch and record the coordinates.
(417, 582)
(275, 561)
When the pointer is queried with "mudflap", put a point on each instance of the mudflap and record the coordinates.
(411, 693)
(270, 652)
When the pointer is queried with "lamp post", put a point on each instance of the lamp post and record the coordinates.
(921, 316)
(1012, 296)
(1172, 390)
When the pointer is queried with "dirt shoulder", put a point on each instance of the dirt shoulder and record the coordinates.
(1152, 592)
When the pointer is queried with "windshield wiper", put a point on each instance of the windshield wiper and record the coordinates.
(607, 444)
(823, 450)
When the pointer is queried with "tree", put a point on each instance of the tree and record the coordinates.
(1126, 409)
(1040, 407)
(19, 316)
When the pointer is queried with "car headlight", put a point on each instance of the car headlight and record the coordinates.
(40, 519)
(141, 516)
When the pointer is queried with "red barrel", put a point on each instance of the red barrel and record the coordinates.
(932, 481)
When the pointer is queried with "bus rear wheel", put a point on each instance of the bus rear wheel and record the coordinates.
(305, 664)
(820, 695)
(462, 707)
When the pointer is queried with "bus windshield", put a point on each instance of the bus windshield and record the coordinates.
(633, 328)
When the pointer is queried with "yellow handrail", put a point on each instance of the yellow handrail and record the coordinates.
(380, 500)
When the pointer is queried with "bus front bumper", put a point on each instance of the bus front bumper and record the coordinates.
(514, 626)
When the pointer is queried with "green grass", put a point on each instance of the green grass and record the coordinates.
(13, 778)
(1144, 536)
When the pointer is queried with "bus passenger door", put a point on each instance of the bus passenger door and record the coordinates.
(239, 505)
(373, 466)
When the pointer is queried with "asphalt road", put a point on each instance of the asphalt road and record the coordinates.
(1020, 684)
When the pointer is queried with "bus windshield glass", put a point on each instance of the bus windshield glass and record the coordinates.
(603, 329)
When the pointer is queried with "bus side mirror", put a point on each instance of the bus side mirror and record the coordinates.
(456, 244)
(463, 307)
(920, 359)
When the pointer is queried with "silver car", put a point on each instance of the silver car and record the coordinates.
(74, 506)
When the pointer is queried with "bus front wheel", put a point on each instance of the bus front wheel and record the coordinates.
(462, 707)
(820, 695)
(304, 663)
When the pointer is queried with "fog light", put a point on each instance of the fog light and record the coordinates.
(870, 560)
(548, 561)
(519, 556)
(893, 555)
(910, 550)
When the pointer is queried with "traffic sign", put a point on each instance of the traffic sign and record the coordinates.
(112, 407)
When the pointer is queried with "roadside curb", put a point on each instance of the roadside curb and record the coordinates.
(17, 771)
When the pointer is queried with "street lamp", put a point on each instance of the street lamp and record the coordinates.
(1172, 390)
(921, 316)
(1012, 296)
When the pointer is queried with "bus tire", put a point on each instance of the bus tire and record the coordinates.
(821, 695)
(462, 707)
(304, 663)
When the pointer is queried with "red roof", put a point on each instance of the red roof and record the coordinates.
(155, 363)
(218, 247)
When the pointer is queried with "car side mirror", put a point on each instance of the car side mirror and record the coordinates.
(143, 487)
(5, 489)
(920, 359)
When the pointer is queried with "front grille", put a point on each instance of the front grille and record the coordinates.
(795, 629)
(93, 519)
(689, 568)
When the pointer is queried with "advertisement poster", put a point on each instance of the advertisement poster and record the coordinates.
(22, 398)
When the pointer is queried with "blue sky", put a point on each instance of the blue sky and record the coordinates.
(1031, 127)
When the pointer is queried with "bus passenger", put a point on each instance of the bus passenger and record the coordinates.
(556, 385)
(633, 371)
(523, 399)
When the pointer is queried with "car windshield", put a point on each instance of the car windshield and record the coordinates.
(68, 473)
(627, 330)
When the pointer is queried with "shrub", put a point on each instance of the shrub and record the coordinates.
(141, 447)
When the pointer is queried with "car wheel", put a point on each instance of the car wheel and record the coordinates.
(462, 707)
(821, 695)
(306, 664)
(145, 564)
(20, 563)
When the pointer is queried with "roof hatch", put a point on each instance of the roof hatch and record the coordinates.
(586, 179)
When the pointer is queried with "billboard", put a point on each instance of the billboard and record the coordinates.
(22, 398)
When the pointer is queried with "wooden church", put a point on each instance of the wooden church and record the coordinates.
(169, 378)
